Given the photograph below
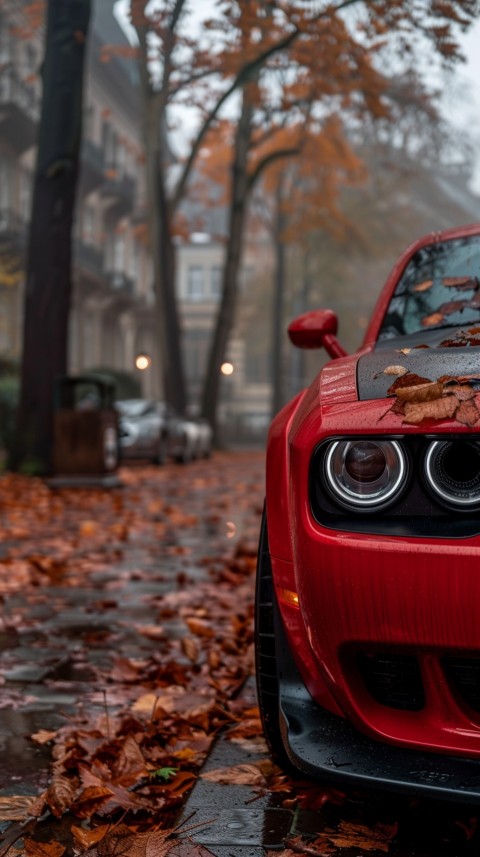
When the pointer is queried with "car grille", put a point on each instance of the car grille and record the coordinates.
(393, 680)
(463, 675)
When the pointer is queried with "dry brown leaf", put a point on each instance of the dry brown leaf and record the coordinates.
(190, 649)
(358, 836)
(123, 841)
(43, 849)
(462, 392)
(411, 379)
(86, 838)
(43, 736)
(130, 763)
(199, 627)
(423, 286)
(433, 319)
(16, 807)
(420, 392)
(395, 370)
(239, 775)
(467, 283)
(468, 413)
(438, 409)
(61, 794)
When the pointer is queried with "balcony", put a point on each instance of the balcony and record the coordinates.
(89, 258)
(13, 235)
(118, 191)
(19, 111)
(92, 167)
(121, 284)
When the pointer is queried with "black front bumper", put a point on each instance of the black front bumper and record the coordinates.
(329, 748)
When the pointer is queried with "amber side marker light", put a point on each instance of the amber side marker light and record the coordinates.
(288, 597)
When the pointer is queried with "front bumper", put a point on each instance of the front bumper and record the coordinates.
(328, 747)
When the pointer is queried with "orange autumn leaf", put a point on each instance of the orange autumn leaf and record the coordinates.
(420, 392)
(43, 849)
(438, 409)
(468, 413)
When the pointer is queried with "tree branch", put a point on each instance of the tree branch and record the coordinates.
(243, 76)
(270, 159)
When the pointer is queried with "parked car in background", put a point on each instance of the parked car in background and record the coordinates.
(368, 586)
(153, 430)
(204, 438)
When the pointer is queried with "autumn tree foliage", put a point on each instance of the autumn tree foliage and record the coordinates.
(294, 66)
(49, 276)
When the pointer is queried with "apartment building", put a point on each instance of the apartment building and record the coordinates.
(111, 320)
(113, 305)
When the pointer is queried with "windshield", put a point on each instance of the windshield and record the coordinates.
(440, 287)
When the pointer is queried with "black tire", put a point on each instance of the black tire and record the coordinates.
(265, 653)
(161, 454)
(184, 456)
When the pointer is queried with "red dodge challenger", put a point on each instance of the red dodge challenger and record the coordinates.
(368, 583)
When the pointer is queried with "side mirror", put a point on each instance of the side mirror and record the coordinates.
(317, 329)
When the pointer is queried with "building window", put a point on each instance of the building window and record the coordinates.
(5, 186)
(25, 194)
(88, 230)
(216, 282)
(196, 283)
(119, 253)
(196, 352)
(5, 43)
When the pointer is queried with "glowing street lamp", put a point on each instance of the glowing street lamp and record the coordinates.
(226, 368)
(143, 361)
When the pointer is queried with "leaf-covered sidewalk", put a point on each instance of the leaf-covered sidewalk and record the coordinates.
(126, 634)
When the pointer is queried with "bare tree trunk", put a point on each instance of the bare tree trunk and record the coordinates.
(237, 217)
(163, 253)
(48, 276)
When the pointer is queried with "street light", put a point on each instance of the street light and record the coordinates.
(143, 361)
(226, 368)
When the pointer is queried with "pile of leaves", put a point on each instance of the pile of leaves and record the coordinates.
(418, 398)
(134, 746)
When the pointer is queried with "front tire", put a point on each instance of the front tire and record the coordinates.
(161, 454)
(266, 653)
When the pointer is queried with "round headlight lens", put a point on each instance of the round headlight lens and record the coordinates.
(365, 473)
(452, 470)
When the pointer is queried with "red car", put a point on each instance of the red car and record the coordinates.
(368, 583)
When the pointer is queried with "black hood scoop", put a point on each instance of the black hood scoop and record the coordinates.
(432, 363)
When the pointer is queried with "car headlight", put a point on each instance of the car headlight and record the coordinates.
(452, 471)
(365, 474)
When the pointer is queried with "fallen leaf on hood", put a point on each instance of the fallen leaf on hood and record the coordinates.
(86, 838)
(438, 409)
(468, 413)
(394, 370)
(408, 380)
(462, 392)
(420, 392)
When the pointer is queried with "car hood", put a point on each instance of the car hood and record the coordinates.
(424, 357)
